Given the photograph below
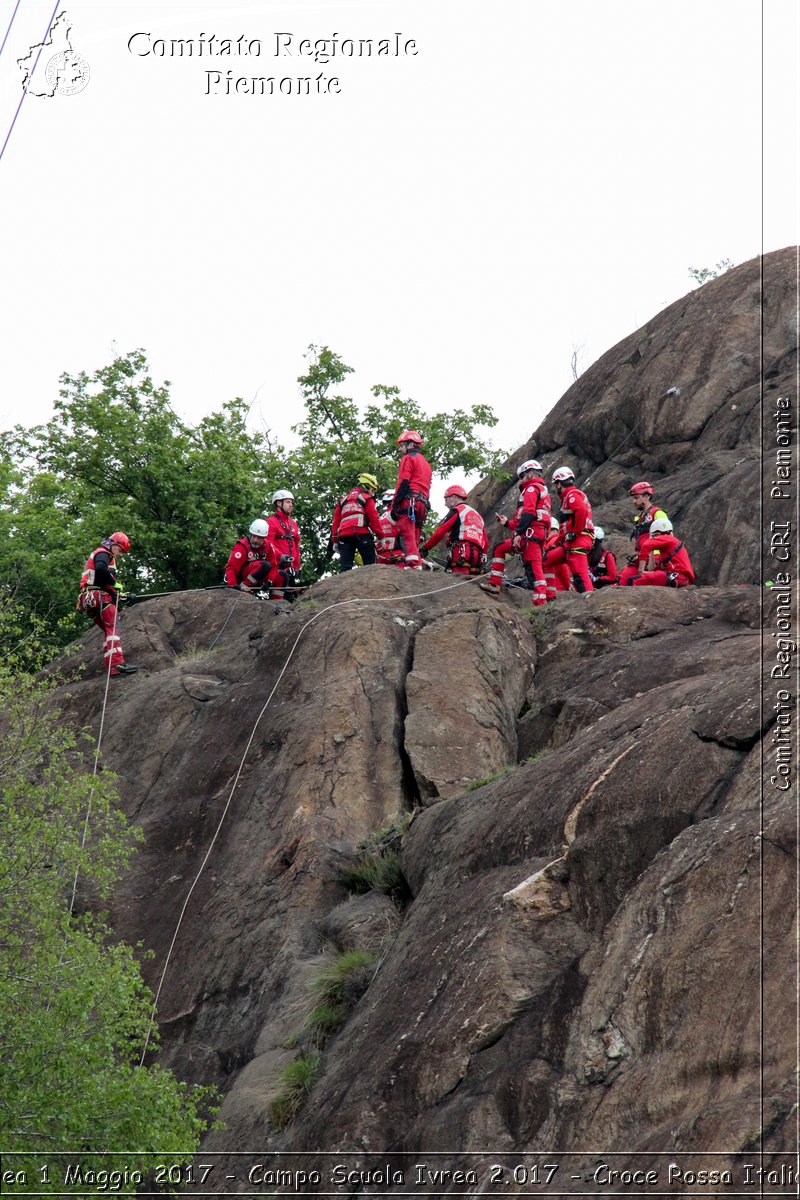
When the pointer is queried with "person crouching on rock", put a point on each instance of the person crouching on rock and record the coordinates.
(556, 574)
(467, 542)
(671, 565)
(602, 564)
(249, 564)
(355, 521)
(99, 598)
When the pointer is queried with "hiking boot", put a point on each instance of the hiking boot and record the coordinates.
(125, 669)
(491, 588)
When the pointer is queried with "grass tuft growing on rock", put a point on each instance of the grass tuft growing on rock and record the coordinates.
(297, 1080)
(377, 872)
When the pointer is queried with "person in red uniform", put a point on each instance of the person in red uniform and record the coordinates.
(99, 597)
(576, 532)
(646, 512)
(249, 564)
(467, 541)
(529, 526)
(390, 551)
(411, 495)
(283, 538)
(556, 574)
(671, 565)
(602, 564)
(355, 521)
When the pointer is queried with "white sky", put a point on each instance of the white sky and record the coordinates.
(539, 177)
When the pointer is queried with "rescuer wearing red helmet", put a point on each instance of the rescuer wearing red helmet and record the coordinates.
(530, 525)
(467, 542)
(389, 549)
(646, 512)
(250, 563)
(411, 495)
(576, 530)
(99, 596)
(668, 562)
(355, 520)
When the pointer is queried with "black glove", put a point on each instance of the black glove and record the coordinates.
(394, 513)
(423, 551)
(284, 561)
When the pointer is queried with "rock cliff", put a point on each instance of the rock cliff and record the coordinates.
(589, 941)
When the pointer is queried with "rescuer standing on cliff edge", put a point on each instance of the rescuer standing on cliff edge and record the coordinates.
(99, 598)
(411, 497)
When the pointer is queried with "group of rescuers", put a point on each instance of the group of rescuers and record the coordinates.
(560, 551)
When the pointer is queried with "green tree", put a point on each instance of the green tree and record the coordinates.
(74, 1010)
(338, 439)
(116, 456)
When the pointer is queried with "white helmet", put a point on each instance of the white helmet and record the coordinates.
(563, 475)
(281, 495)
(661, 525)
(554, 523)
(530, 464)
(259, 528)
(599, 533)
(387, 498)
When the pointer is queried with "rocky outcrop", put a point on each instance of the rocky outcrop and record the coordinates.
(682, 402)
(591, 945)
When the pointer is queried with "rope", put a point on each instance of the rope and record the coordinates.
(224, 627)
(96, 759)
(30, 76)
(329, 608)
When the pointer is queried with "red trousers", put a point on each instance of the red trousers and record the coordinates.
(659, 579)
(409, 527)
(107, 621)
(574, 554)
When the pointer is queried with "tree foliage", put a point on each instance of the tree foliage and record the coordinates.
(338, 440)
(74, 1010)
(115, 455)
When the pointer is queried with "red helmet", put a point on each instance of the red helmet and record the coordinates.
(122, 540)
(456, 489)
(641, 489)
(410, 435)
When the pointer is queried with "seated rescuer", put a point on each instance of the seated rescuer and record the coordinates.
(390, 550)
(467, 541)
(602, 564)
(99, 596)
(283, 536)
(249, 563)
(356, 523)
(576, 530)
(412, 494)
(671, 565)
(646, 512)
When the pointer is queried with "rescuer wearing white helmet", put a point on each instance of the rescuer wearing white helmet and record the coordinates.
(602, 564)
(668, 562)
(283, 536)
(529, 527)
(389, 547)
(249, 562)
(576, 530)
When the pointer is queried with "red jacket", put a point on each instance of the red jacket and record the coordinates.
(604, 571)
(463, 524)
(240, 558)
(413, 479)
(533, 508)
(575, 514)
(355, 514)
(283, 537)
(669, 554)
(642, 523)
